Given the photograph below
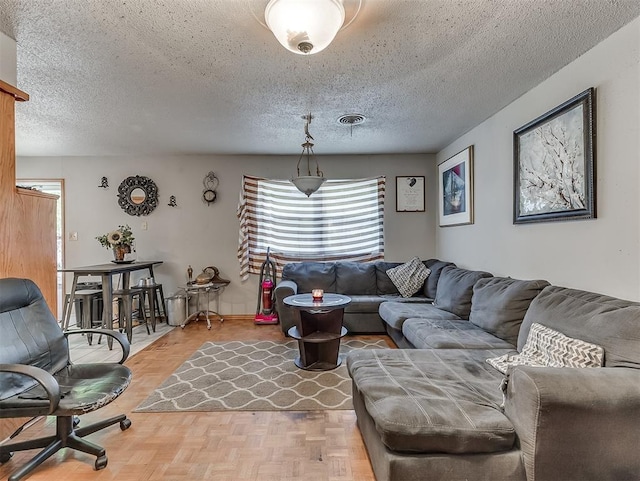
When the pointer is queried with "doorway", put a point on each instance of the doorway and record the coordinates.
(53, 186)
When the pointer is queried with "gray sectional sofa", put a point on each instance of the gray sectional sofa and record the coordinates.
(443, 413)
(438, 410)
(367, 284)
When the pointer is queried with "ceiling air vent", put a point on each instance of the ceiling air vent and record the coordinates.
(351, 119)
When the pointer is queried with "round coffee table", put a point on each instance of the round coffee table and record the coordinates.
(319, 331)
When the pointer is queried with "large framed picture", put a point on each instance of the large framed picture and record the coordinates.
(455, 189)
(554, 164)
(410, 194)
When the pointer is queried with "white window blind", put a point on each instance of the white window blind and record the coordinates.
(343, 220)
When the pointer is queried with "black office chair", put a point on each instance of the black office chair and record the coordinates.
(37, 377)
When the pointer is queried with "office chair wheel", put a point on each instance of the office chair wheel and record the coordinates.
(101, 462)
(4, 457)
(125, 424)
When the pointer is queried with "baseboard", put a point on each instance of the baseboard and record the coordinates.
(237, 317)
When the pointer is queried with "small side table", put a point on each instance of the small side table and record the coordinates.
(319, 331)
(203, 290)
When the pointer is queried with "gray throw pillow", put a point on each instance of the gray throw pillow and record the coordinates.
(455, 288)
(499, 304)
(546, 347)
(409, 277)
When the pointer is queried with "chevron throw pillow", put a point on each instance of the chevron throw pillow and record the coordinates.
(548, 348)
(409, 277)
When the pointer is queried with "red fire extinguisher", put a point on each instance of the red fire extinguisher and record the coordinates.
(267, 289)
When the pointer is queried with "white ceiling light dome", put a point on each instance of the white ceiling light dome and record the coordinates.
(305, 26)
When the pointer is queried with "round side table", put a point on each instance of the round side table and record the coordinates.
(319, 331)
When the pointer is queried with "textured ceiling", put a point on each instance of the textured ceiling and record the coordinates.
(136, 77)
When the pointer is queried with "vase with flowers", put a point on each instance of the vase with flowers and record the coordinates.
(121, 241)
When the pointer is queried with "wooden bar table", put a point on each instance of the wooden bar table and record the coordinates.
(106, 273)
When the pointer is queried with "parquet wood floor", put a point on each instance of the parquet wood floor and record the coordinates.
(225, 446)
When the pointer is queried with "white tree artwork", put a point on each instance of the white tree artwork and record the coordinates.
(552, 165)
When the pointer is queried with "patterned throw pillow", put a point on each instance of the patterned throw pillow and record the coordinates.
(548, 348)
(409, 277)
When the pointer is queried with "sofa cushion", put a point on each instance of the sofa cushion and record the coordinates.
(409, 277)
(311, 275)
(384, 284)
(358, 278)
(450, 334)
(369, 304)
(499, 304)
(603, 320)
(548, 348)
(431, 284)
(395, 313)
(433, 400)
(455, 288)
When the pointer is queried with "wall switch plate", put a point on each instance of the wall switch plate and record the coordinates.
(73, 236)
(144, 225)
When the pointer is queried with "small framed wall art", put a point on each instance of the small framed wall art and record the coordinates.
(455, 189)
(410, 194)
(554, 164)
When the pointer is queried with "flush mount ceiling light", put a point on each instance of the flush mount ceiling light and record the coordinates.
(308, 184)
(305, 26)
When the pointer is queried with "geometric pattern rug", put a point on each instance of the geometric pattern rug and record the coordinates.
(254, 376)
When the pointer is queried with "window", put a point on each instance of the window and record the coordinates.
(343, 220)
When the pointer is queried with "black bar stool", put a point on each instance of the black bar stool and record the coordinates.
(154, 299)
(125, 299)
(94, 305)
(86, 316)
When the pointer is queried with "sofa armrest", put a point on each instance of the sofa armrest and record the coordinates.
(576, 424)
(287, 316)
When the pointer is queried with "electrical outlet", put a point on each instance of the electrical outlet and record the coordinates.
(73, 236)
(144, 225)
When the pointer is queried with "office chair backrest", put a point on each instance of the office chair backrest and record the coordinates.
(29, 334)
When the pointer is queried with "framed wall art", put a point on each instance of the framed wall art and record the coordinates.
(554, 164)
(455, 189)
(410, 194)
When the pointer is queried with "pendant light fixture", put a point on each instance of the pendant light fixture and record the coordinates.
(305, 26)
(308, 184)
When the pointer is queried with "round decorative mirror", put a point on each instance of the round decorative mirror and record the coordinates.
(138, 195)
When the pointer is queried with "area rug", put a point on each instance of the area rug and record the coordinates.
(253, 376)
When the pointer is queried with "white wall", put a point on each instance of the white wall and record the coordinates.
(8, 61)
(601, 255)
(201, 235)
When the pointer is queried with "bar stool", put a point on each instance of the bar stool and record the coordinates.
(125, 299)
(79, 306)
(86, 315)
(154, 298)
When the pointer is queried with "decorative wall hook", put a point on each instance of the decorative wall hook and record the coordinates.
(104, 183)
(172, 201)
(210, 183)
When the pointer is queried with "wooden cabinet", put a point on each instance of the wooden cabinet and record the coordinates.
(27, 217)
(27, 222)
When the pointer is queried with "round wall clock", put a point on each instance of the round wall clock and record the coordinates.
(209, 196)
